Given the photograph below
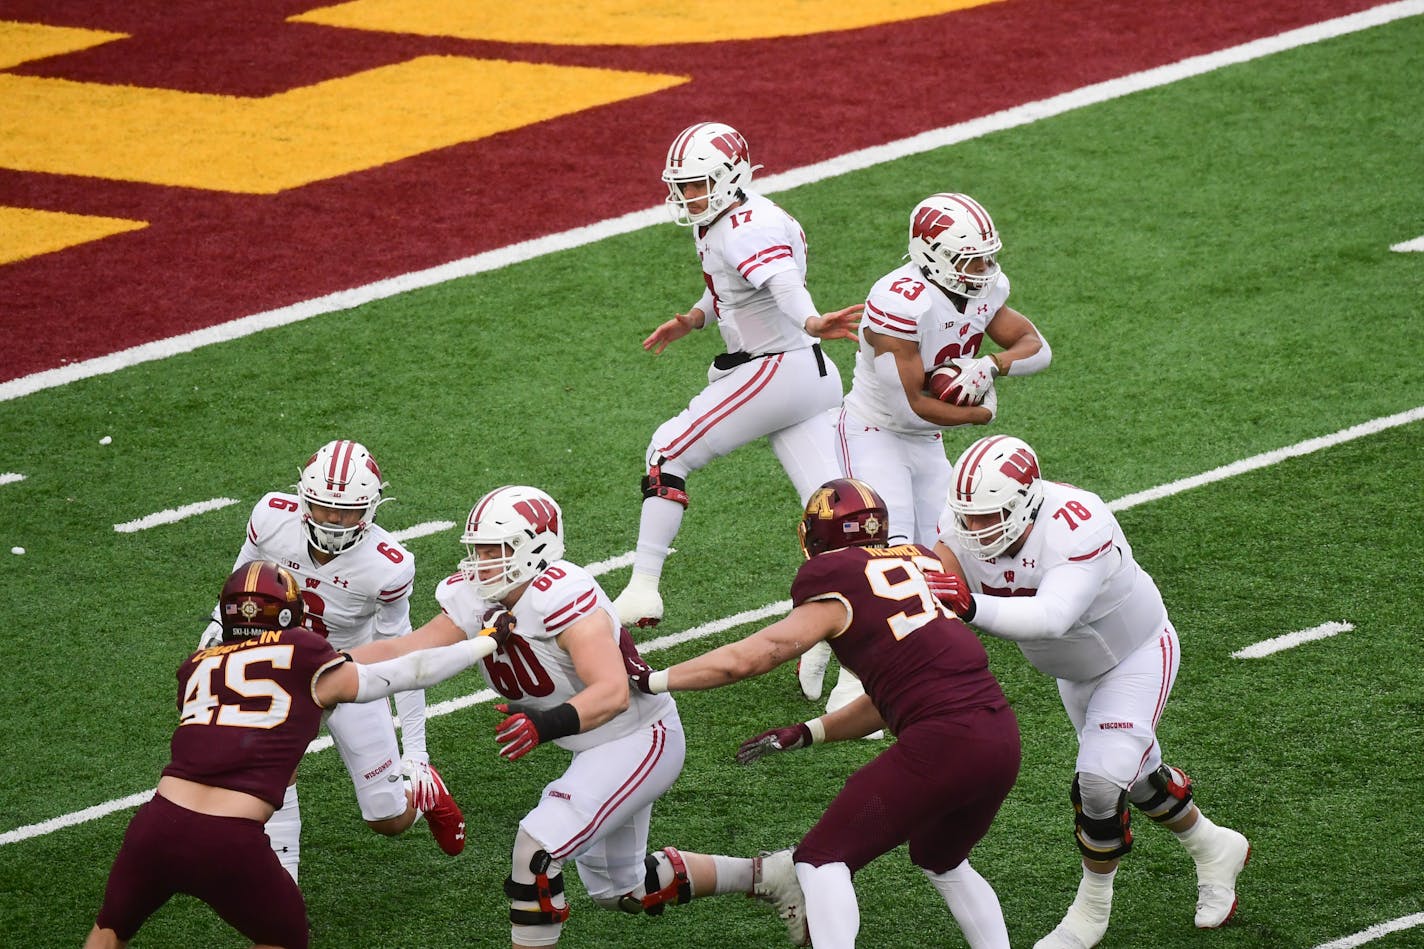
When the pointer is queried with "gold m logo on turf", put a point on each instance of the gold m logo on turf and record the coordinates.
(273, 143)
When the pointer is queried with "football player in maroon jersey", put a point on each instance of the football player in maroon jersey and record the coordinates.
(927, 679)
(248, 707)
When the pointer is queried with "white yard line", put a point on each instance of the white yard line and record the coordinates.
(1415, 245)
(1376, 931)
(10, 477)
(1277, 644)
(422, 530)
(749, 616)
(173, 514)
(637, 220)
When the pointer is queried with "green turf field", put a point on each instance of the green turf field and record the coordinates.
(1210, 261)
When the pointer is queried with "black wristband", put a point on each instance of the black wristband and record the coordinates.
(968, 614)
(558, 722)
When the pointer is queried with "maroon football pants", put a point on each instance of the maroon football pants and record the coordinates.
(938, 786)
(227, 862)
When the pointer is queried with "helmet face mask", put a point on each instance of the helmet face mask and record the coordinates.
(843, 512)
(713, 157)
(259, 597)
(997, 475)
(955, 244)
(512, 534)
(338, 494)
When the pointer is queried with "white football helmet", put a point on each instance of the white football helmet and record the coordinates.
(342, 474)
(948, 234)
(707, 152)
(526, 523)
(996, 475)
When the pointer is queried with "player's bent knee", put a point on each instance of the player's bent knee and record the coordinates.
(535, 888)
(1100, 818)
(1165, 795)
(659, 484)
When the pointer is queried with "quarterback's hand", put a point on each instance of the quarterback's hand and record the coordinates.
(498, 624)
(671, 331)
(639, 672)
(838, 325)
(951, 590)
(769, 743)
(424, 792)
(976, 379)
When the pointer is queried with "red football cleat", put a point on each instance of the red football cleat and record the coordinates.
(447, 823)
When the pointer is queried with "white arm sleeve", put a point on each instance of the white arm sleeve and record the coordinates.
(1062, 598)
(709, 310)
(419, 669)
(792, 297)
(888, 375)
(1034, 363)
(410, 707)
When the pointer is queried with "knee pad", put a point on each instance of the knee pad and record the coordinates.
(658, 484)
(1100, 817)
(537, 908)
(1164, 795)
(666, 881)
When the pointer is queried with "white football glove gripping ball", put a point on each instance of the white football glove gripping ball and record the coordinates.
(976, 378)
(424, 792)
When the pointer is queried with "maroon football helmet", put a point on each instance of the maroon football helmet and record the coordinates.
(260, 596)
(843, 512)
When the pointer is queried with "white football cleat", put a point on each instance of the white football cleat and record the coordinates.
(1083, 927)
(811, 669)
(774, 881)
(640, 604)
(1216, 878)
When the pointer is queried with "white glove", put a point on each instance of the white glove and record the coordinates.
(991, 402)
(424, 792)
(212, 635)
(976, 377)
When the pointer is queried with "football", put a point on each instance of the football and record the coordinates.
(939, 380)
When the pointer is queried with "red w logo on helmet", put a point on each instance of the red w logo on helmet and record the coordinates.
(1022, 466)
(540, 514)
(929, 222)
(732, 145)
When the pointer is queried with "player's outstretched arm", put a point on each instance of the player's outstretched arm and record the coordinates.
(366, 682)
(760, 652)
(673, 330)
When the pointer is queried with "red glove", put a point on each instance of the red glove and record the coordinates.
(951, 590)
(769, 743)
(635, 665)
(501, 623)
(526, 727)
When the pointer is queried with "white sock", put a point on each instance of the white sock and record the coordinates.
(657, 527)
(284, 832)
(734, 875)
(974, 905)
(832, 912)
(1198, 838)
(1096, 889)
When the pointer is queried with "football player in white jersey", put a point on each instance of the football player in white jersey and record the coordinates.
(1047, 566)
(356, 581)
(562, 669)
(773, 381)
(935, 310)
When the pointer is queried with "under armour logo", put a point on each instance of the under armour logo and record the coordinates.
(1028, 564)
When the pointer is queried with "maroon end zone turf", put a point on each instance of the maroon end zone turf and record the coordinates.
(208, 257)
